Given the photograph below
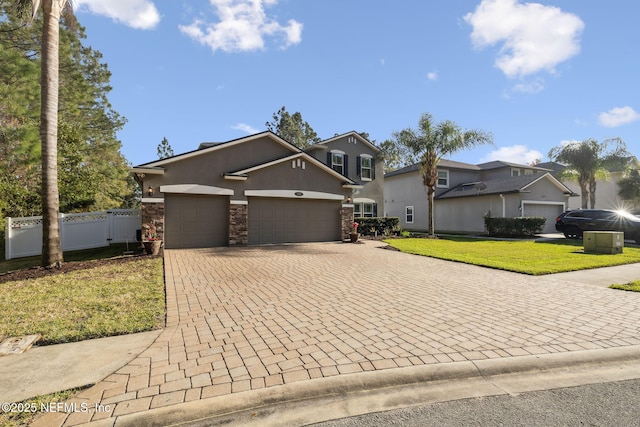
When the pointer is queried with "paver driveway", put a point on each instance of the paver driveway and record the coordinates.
(257, 317)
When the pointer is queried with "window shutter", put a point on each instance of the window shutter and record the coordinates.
(375, 209)
(358, 166)
(329, 159)
(373, 169)
(345, 164)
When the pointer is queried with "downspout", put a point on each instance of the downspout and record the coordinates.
(504, 206)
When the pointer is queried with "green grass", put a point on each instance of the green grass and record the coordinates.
(25, 418)
(522, 256)
(110, 251)
(114, 299)
(633, 286)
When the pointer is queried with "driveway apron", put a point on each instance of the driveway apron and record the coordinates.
(250, 318)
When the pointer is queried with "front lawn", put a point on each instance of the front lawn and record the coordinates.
(632, 286)
(121, 296)
(521, 256)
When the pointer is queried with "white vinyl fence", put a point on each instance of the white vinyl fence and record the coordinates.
(23, 236)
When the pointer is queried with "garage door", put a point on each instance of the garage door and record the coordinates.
(194, 221)
(550, 212)
(273, 220)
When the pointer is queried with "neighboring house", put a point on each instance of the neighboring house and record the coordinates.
(356, 158)
(466, 193)
(254, 190)
(606, 190)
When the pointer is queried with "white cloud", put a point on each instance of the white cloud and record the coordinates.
(243, 26)
(433, 75)
(514, 154)
(532, 37)
(140, 14)
(245, 128)
(618, 116)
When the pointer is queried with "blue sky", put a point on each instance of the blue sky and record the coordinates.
(536, 75)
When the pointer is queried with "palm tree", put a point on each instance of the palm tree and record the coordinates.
(430, 143)
(52, 11)
(587, 160)
(629, 187)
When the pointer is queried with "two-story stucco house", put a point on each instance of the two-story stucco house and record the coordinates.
(258, 189)
(466, 193)
(356, 158)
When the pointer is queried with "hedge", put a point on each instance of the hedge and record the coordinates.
(514, 227)
(381, 225)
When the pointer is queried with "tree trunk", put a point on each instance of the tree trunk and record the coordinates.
(592, 192)
(584, 196)
(51, 244)
(431, 228)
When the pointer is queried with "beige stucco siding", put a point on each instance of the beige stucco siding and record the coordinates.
(207, 168)
(353, 148)
(407, 190)
(284, 176)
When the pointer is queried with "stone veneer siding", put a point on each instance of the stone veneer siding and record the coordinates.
(153, 212)
(238, 230)
(346, 212)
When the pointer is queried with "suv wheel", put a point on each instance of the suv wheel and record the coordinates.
(573, 233)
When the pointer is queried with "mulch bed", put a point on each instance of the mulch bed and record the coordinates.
(66, 267)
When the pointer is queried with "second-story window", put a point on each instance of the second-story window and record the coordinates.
(365, 168)
(337, 162)
(443, 179)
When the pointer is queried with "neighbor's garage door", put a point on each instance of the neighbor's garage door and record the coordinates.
(273, 220)
(194, 221)
(550, 212)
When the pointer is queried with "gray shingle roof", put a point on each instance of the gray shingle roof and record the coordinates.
(511, 184)
(445, 164)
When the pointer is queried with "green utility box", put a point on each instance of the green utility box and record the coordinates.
(603, 242)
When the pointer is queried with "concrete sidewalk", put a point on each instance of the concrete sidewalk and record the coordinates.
(265, 322)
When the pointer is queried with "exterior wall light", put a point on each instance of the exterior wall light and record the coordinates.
(150, 191)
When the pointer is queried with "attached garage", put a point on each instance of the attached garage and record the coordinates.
(196, 221)
(550, 211)
(283, 220)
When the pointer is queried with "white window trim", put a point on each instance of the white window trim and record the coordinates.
(370, 168)
(437, 182)
(341, 153)
(413, 213)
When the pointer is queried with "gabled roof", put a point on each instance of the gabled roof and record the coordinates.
(244, 172)
(443, 164)
(496, 164)
(219, 146)
(513, 184)
(322, 144)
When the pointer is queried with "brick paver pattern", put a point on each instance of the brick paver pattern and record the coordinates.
(248, 318)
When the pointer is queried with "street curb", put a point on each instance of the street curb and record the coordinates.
(342, 385)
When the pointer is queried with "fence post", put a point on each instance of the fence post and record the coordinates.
(61, 228)
(109, 227)
(7, 239)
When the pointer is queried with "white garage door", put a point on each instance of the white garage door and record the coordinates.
(548, 211)
(196, 221)
(274, 220)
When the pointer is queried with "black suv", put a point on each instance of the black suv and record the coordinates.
(573, 223)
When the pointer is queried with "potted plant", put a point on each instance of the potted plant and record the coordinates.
(354, 234)
(150, 240)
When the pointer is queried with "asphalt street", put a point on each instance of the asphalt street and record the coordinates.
(606, 404)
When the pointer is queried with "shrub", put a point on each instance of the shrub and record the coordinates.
(382, 225)
(514, 227)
